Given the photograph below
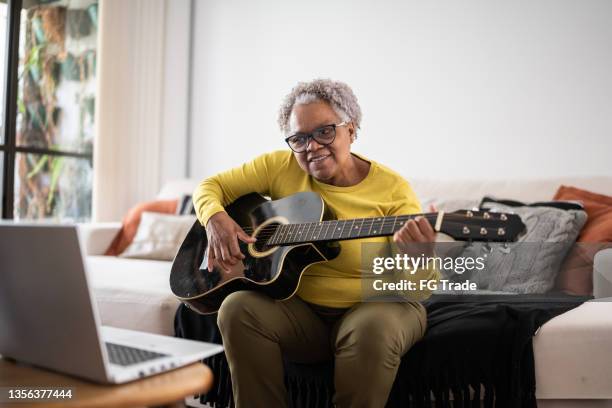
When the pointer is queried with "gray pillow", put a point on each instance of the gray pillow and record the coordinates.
(531, 264)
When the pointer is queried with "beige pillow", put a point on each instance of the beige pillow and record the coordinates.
(159, 236)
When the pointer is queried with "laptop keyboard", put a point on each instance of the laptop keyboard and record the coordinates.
(125, 355)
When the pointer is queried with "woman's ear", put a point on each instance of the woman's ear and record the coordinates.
(351, 130)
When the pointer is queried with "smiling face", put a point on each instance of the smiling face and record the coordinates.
(331, 164)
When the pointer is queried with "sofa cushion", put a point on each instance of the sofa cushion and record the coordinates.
(133, 293)
(573, 353)
(599, 208)
(576, 275)
(132, 220)
(531, 264)
(159, 236)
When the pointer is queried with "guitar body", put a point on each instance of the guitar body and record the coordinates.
(275, 271)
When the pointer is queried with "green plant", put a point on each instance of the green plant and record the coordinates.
(55, 164)
(33, 62)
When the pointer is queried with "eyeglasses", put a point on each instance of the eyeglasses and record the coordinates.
(324, 136)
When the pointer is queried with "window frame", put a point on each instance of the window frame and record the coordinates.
(9, 147)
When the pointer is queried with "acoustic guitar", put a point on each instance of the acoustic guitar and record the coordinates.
(295, 232)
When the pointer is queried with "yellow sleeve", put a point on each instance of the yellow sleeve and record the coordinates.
(255, 176)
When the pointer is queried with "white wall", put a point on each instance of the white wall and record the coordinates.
(448, 88)
(175, 110)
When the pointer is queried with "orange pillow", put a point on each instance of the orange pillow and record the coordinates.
(576, 274)
(131, 221)
(598, 227)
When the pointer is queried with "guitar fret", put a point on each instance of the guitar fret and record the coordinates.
(305, 229)
(327, 223)
(354, 232)
(272, 239)
(371, 224)
(390, 226)
(350, 229)
(376, 228)
(335, 234)
(402, 219)
(344, 224)
(284, 233)
(315, 233)
(276, 236)
(360, 231)
(290, 237)
(382, 226)
(281, 234)
(308, 237)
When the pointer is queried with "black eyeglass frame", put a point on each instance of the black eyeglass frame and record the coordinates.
(312, 135)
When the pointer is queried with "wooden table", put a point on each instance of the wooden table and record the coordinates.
(170, 388)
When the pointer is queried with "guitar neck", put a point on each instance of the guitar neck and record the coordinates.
(339, 230)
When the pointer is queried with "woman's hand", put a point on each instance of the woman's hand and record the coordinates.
(415, 231)
(223, 234)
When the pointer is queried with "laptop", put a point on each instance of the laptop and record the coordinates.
(48, 317)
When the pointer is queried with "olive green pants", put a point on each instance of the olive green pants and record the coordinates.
(367, 342)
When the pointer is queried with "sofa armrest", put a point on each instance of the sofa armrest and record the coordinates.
(602, 274)
(97, 237)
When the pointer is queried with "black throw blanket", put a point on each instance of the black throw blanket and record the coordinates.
(472, 343)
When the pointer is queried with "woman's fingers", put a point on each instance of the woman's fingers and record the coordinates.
(211, 258)
(415, 230)
(235, 250)
(244, 237)
(226, 254)
(223, 234)
(426, 229)
(221, 260)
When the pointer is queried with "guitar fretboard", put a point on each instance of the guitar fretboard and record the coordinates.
(334, 230)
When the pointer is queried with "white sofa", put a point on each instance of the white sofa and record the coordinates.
(573, 352)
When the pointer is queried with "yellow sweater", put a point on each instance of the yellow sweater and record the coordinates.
(336, 283)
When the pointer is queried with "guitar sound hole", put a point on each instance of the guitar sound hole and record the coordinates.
(264, 235)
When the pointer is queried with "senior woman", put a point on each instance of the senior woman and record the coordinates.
(327, 318)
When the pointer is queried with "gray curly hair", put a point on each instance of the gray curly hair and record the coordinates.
(338, 94)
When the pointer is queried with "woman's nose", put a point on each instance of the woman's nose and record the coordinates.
(313, 145)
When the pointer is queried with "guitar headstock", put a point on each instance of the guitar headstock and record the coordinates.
(471, 225)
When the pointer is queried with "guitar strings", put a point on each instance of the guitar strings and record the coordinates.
(447, 217)
(297, 240)
(269, 231)
(273, 228)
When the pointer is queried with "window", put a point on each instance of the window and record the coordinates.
(50, 103)
(3, 59)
